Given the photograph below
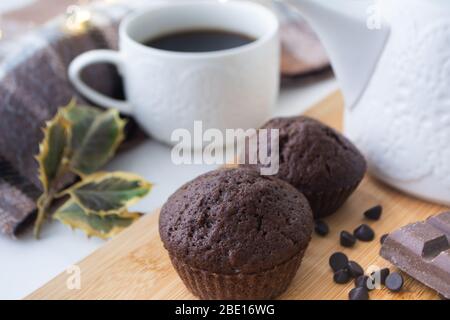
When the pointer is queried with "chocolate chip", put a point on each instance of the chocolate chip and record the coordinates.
(374, 213)
(338, 261)
(394, 282)
(321, 228)
(363, 281)
(358, 293)
(354, 269)
(364, 233)
(342, 276)
(383, 238)
(347, 239)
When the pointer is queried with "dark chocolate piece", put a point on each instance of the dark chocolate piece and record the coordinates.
(358, 293)
(383, 237)
(347, 239)
(321, 228)
(364, 233)
(338, 261)
(354, 269)
(422, 250)
(342, 276)
(363, 281)
(374, 213)
(394, 282)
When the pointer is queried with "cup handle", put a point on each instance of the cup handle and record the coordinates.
(93, 57)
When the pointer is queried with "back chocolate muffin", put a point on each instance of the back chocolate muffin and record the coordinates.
(320, 162)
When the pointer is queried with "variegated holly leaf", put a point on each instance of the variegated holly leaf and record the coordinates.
(52, 150)
(95, 137)
(109, 193)
(81, 119)
(105, 227)
(51, 160)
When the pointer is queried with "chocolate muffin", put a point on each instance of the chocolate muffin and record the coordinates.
(320, 162)
(234, 234)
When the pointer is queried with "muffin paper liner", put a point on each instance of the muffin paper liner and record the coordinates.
(326, 203)
(257, 286)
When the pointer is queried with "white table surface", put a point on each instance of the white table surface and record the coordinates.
(26, 264)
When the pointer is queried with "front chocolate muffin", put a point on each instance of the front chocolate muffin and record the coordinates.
(233, 234)
(320, 162)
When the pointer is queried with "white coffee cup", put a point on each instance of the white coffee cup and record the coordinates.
(168, 90)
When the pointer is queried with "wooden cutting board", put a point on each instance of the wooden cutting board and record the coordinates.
(134, 265)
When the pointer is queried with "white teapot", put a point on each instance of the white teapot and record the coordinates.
(392, 61)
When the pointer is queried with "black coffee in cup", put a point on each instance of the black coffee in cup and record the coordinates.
(202, 40)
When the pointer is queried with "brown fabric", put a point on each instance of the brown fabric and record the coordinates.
(33, 84)
(15, 207)
(25, 19)
(302, 53)
(32, 92)
(17, 198)
(39, 11)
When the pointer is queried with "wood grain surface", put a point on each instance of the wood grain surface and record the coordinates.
(134, 265)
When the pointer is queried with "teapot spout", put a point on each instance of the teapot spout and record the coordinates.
(352, 38)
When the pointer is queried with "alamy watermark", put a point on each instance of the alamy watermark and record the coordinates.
(213, 146)
(73, 281)
(375, 16)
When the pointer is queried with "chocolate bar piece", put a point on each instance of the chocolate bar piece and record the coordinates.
(422, 250)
